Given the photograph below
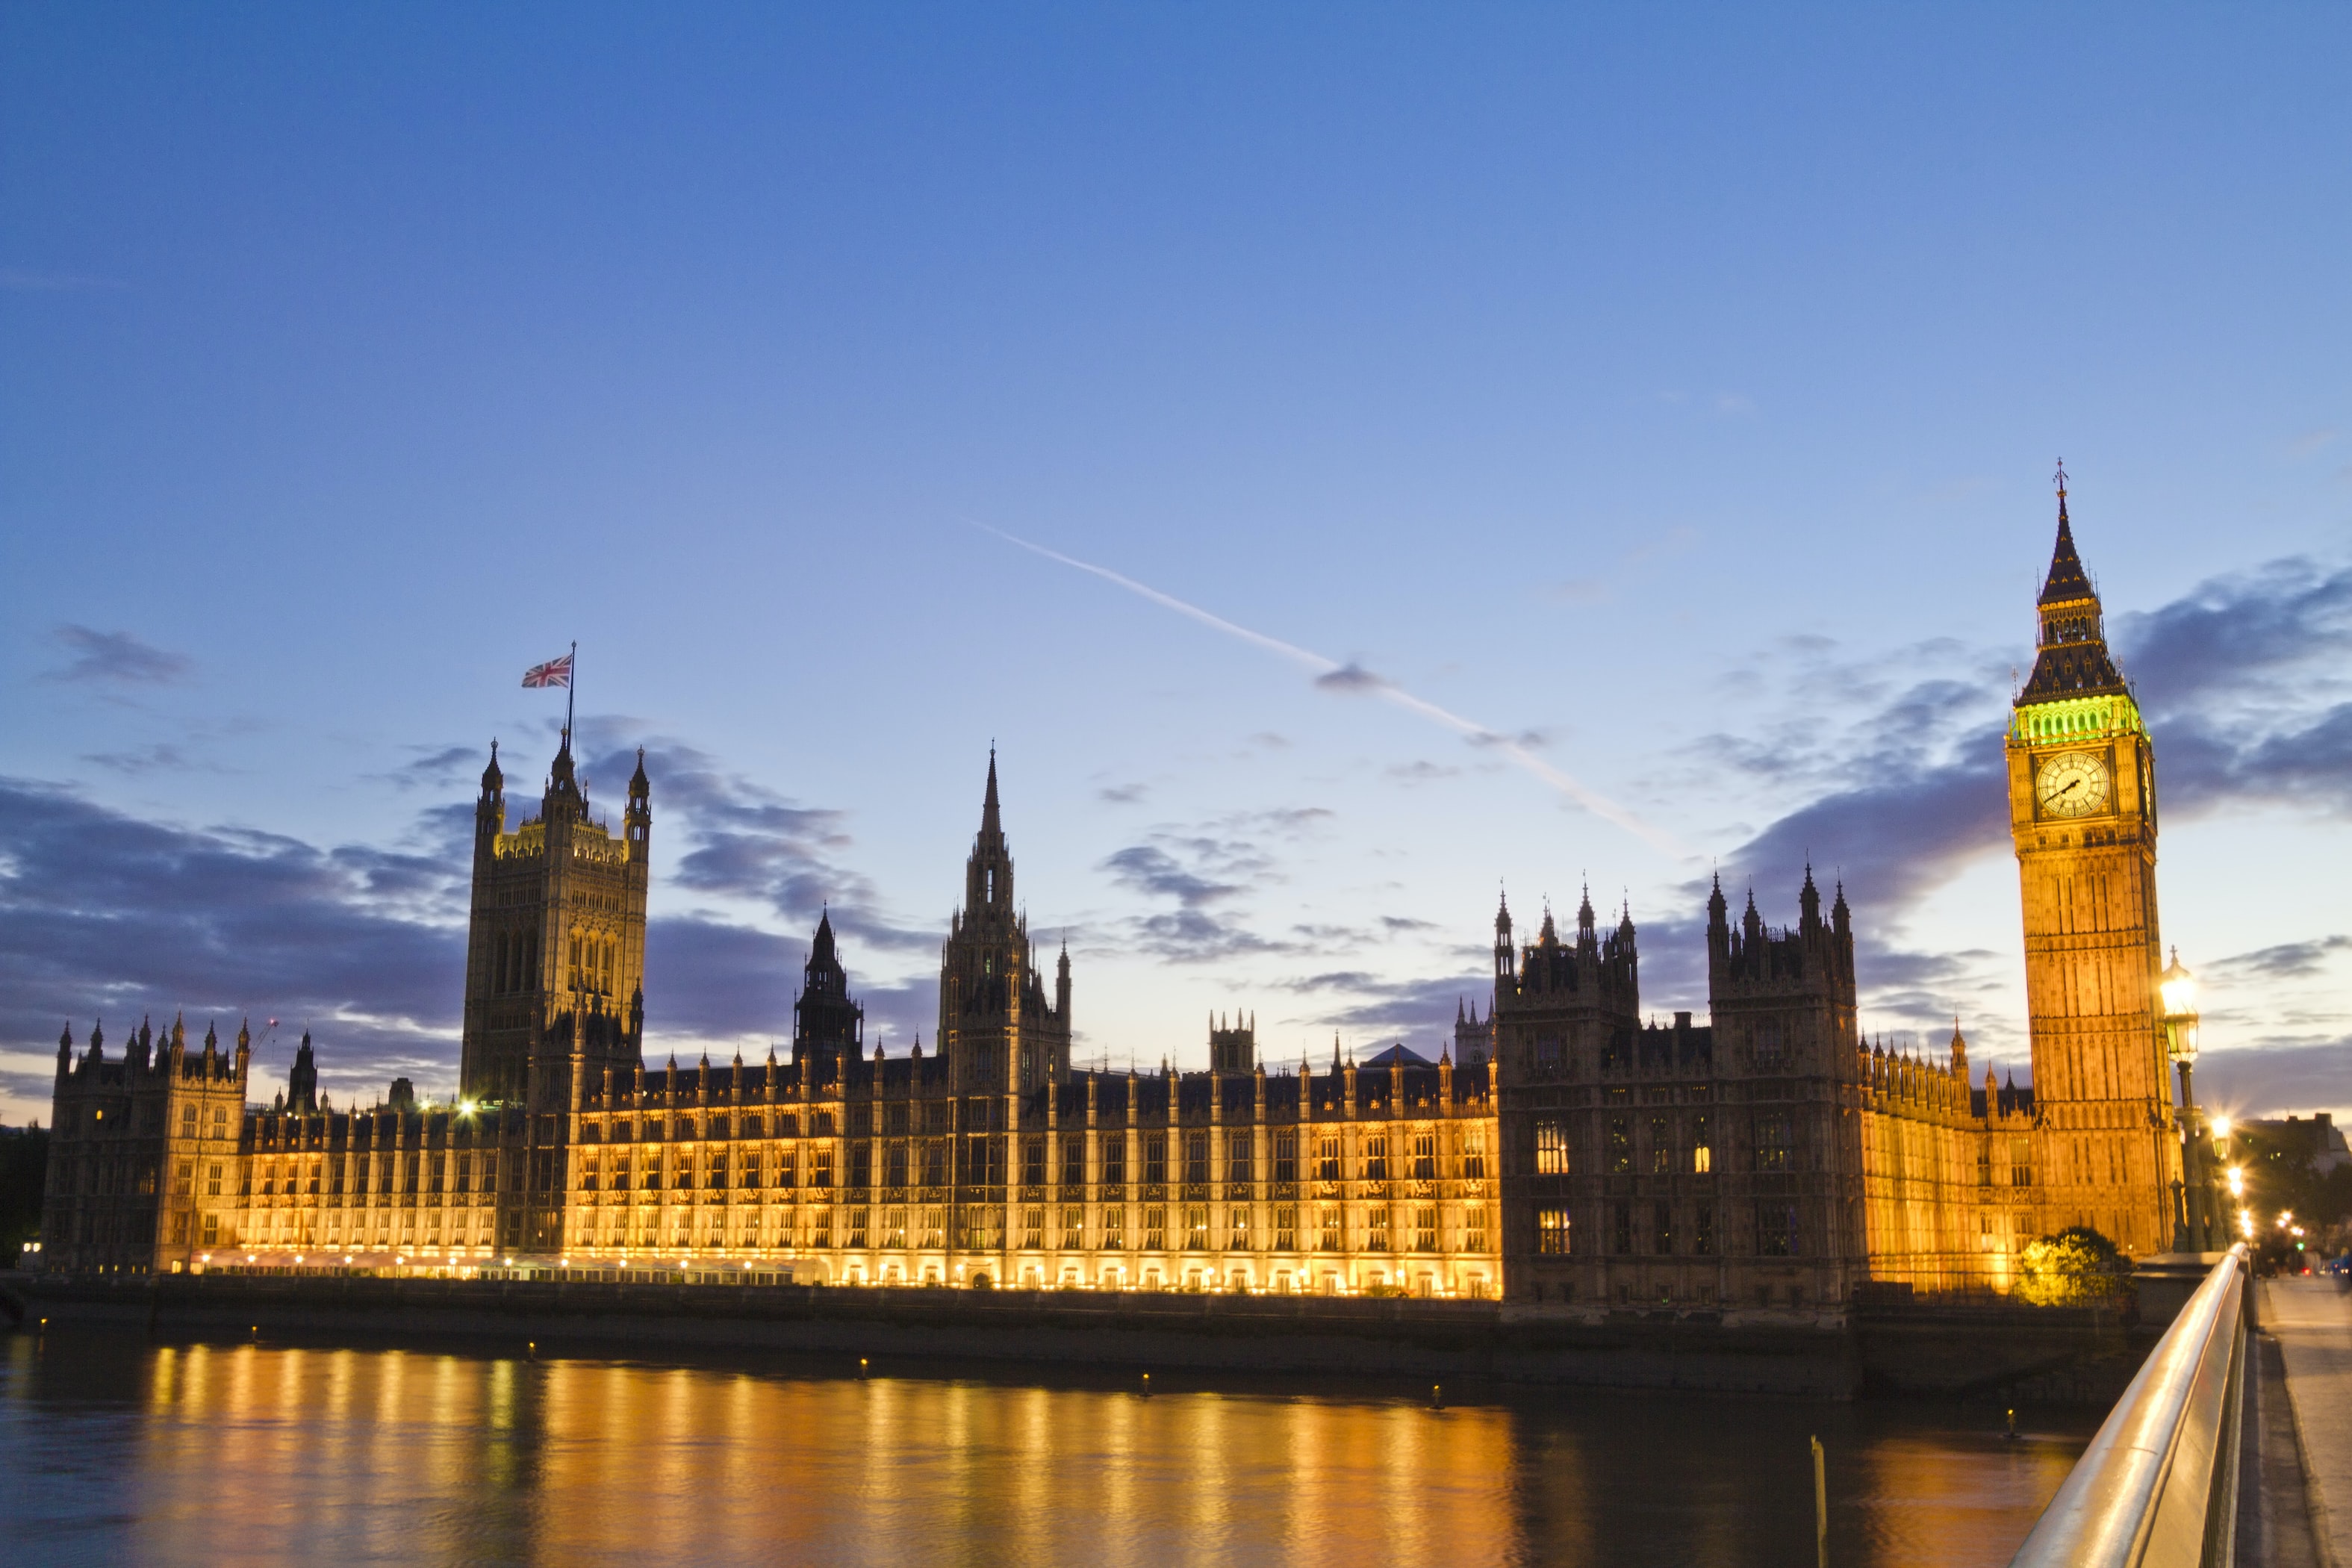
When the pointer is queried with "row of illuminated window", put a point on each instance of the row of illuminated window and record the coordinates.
(1422, 1154)
(334, 1176)
(1419, 1153)
(1156, 1229)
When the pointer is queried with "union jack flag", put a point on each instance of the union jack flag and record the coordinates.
(554, 672)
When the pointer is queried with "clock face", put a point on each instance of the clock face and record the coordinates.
(2073, 784)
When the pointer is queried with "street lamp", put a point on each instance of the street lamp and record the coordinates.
(2177, 990)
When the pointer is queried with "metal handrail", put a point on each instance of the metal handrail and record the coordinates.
(2157, 1487)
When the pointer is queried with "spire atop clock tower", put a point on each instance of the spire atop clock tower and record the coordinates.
(2072, 659)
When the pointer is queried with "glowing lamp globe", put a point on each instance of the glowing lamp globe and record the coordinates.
(2177, 988)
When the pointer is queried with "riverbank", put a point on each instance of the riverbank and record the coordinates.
(1985, 1353)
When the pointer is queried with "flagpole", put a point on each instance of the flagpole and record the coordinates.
(571, 684)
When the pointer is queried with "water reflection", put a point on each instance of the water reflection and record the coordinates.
(112, 1449)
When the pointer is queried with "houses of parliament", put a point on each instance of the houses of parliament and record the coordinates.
(1559, 1153)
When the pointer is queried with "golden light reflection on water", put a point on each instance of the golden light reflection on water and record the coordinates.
(259, 1454)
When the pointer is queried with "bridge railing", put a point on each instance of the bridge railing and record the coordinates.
(2158, 1485)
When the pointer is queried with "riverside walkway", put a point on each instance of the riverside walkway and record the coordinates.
(2311, 1319)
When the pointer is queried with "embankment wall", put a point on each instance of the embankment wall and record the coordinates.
(1995, 1354)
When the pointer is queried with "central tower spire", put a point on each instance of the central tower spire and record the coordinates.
(991, 825)
(988, 874)
(997, 1025)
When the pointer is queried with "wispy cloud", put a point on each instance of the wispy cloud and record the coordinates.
(1332, 675)
(116, 658)
(1200, 872)
(742, 841)
(435, 767)
(22, 280)
(161, 757)
(2287, 961)
(1418, 1009)
(1350, 676)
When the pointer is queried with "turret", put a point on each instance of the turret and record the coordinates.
(566, 801)
(244, 1050)
(638, 822)
(1506, 958)
(1808, 904)
(302, 1080)
(490, 809)
(827, 1023)
(1062, 985)
(1233, 1048)
(64, 1053)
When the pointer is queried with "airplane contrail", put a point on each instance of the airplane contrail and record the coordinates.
(1353, 676)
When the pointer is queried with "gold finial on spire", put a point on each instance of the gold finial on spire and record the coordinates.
(2058, 479)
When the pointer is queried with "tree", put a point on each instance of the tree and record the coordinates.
(2075, 1268)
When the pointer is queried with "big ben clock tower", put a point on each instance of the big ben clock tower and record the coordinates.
(2081, 809)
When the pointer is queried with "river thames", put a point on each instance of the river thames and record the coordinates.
(114, 1450)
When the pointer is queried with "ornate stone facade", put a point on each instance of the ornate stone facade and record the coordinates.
(1564, 1152)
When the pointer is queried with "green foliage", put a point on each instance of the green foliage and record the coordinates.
(24, 1171)
(2075, 1268)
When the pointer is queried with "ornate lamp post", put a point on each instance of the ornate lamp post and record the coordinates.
(2177, 988)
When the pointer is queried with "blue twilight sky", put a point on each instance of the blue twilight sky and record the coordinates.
(1518, 446)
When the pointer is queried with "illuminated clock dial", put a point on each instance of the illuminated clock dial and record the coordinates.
(2073, 784)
